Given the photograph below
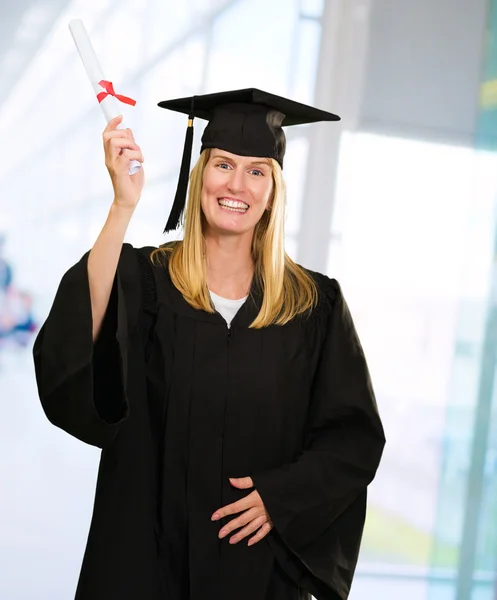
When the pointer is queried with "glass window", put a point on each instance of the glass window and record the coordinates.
(294, 172)
(257, 55)
(312, 8)
(119, 42)
(166, 22)
(304, 63)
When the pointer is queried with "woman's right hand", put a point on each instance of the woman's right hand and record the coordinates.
(120, 148)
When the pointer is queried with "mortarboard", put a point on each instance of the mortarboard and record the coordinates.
(245, 122)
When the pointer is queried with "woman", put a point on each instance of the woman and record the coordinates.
(225, 384)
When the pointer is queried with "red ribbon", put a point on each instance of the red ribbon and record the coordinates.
(109, 91)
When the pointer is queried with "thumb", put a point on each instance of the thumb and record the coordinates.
(114, 123)
(244, 483)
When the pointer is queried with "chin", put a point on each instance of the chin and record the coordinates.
(228, 227)
(232, 229)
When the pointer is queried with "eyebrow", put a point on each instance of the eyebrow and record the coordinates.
(260, 162)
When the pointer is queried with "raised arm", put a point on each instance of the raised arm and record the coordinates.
(120, 148)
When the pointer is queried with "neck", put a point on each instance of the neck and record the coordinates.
(230, 267)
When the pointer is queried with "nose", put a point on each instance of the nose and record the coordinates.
(236, 183)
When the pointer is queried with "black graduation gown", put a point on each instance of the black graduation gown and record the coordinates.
(179, 403)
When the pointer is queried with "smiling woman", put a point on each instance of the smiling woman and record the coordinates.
(226, 384)
(235, 186)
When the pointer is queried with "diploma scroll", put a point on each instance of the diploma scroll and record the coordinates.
(104, 90)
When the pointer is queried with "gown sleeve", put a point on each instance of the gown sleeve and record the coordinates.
(318, 503)
(81, 384)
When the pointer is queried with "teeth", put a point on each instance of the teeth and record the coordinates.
(233, 204)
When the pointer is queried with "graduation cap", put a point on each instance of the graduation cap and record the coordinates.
(245, 122)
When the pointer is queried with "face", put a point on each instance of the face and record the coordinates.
(235, 192)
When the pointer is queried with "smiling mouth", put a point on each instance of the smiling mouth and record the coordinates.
(236, 206)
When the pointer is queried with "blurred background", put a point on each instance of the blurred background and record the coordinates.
(397, 201)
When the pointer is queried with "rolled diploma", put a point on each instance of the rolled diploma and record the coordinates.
(110, 104)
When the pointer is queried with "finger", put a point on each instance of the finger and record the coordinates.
(235, 508)
(117, 145)
(240, 521)
(243, 483)
(123, 142)
(126, 153)
(113, 123)
(133, 155)
(252, 527)
(116, 133)
(263, 531)
(121, 165)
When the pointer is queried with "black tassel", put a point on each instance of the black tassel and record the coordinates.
(184, 174)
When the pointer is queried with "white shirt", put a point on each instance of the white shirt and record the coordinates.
(225, 307)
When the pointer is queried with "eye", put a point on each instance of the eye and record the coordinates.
(257, 172)
(223, 165)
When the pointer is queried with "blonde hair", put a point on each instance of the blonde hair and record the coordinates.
(288, 290)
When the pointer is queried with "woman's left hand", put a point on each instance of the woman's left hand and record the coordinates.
(254, 517)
